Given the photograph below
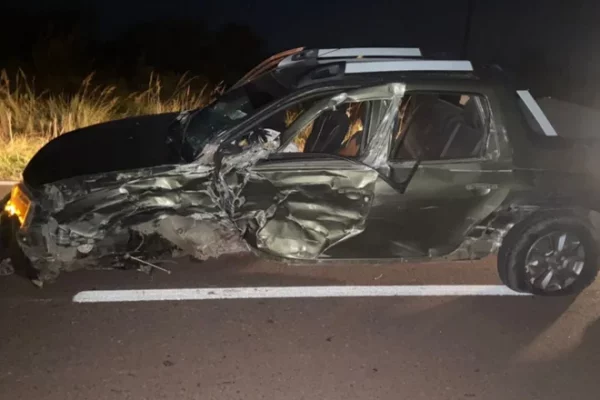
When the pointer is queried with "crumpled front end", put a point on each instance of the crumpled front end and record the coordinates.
(222, 203)
(77, 222)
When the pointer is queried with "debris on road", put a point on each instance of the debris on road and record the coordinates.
(6, 268)
(146, 263)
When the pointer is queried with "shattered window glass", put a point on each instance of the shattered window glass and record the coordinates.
(230, 109)
(283, 119)
(440, 126)
(269, 130)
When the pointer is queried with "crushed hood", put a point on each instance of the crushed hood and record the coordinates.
(125, 144)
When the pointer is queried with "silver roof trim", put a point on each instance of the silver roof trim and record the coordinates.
(407, 65)
(353, 53)
(537, 112)
(370, 52)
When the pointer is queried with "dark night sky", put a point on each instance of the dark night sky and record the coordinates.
(505, 31)
(437, 24)
(318, 23)
(287, 24)
(502, 26)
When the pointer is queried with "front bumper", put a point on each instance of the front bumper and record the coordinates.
(21, 235)
(9, 244)
(25, 244)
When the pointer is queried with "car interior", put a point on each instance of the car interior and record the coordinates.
(338, 131)
(439, 127)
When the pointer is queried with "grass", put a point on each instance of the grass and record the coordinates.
(29, 118)
(16, 153)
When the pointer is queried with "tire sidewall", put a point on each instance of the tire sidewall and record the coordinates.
(515, 257)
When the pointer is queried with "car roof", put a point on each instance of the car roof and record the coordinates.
(301, 67)
(374, 59)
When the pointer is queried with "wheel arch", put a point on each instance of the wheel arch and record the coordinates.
(511, 248)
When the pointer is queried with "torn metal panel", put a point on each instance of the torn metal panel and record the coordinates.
(205, 208)
(122, 199)
(381, 138)
(86, 215)
(315, 208)
(201, 236)
(195, 207)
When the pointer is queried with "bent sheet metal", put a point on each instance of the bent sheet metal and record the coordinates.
(233, 196)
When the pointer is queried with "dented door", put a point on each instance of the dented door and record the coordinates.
(442, 202)
(304, 205)
(308, 206)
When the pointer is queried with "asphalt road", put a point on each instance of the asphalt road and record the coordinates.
(344, 348)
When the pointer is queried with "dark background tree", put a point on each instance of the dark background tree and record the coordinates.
(59, 49)
(547, 45)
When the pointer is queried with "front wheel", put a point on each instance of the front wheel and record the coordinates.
(549, 255)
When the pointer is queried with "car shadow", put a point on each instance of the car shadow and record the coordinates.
(526, 347)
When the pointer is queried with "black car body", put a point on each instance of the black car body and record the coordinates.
(442, 161)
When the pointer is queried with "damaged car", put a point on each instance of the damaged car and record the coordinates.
(325, 155)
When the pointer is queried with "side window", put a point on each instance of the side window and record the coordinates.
(440, 126)
(282, 119)
(270, 129)
(339, 131)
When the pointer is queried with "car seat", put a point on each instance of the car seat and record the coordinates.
(328, 132)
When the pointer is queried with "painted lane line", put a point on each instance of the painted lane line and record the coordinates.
(290, 292)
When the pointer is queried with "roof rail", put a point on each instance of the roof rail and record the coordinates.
(355, 52)
(370, 52)
(408, 65)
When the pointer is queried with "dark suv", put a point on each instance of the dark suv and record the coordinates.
(319, 155)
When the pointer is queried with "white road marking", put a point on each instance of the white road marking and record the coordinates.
(290, 292)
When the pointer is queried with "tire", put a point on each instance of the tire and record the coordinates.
(520, 239)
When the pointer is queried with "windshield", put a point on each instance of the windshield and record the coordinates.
(230, 109)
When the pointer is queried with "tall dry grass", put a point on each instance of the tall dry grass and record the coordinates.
(29, 118)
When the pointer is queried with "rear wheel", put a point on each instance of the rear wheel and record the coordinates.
(549, 255)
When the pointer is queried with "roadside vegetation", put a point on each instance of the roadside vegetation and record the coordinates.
(30, 118)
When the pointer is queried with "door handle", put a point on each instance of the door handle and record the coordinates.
(480, 189)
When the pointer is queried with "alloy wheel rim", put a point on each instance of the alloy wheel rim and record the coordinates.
(555, 261)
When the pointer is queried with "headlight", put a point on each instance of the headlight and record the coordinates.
(18, 205)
